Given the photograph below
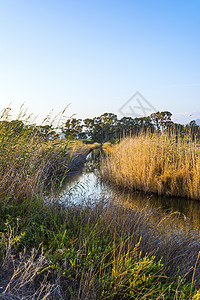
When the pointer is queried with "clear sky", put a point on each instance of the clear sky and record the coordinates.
(97, 54)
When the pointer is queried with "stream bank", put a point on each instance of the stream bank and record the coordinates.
(90, 244)
(86, 183)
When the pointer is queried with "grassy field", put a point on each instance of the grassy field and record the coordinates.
(100, 251)
(156, 163)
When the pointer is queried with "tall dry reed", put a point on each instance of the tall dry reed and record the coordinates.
(29, 161)
(156, 163)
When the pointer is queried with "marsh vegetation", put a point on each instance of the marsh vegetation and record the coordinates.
(91, 250)
(155, 163)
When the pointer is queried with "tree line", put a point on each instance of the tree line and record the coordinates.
(106, 127)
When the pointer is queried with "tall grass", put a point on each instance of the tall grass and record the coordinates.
(103, 251)
(96, 251)
(155, 163)
(29, 162)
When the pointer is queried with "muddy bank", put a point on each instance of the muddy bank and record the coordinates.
(78, 160)
(68, 163)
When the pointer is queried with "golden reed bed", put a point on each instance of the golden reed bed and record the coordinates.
(155, 163)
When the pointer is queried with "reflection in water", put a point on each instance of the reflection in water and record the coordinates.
(81, 187)
(189, 209)
(87, 186)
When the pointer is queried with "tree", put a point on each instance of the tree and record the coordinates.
(193, 123)
(161, 120)
(15, 126)
(194, 129)
(101, 129)
(72, 127)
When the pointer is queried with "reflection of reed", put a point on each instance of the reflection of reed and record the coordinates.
(190, 209)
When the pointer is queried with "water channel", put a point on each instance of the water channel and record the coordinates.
(87, 186)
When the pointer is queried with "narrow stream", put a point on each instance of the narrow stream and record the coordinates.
(86, 186)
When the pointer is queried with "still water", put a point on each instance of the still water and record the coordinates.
(87, 186)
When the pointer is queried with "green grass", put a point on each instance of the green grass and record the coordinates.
(90, 251)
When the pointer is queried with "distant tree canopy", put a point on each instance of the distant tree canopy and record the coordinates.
(16, 127)
(161, 120)
(106, 127)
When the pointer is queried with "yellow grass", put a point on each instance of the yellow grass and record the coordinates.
(157, 164)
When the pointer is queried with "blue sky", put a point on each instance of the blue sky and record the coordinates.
(97, 54)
